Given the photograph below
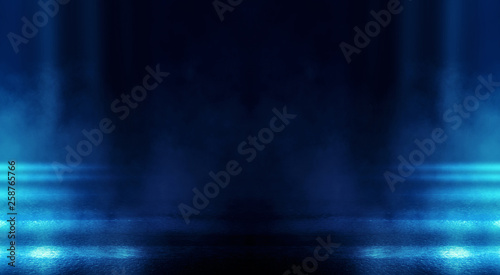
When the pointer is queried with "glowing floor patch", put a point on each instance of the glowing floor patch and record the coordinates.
(455, 252)
(435, 252)
(51, 252)
(491, 167)
(44, 252)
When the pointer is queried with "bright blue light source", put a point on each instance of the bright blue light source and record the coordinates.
(375, 252)
(44, 252)
(455, 252)
(464, 167)
(117, 252)
(482, 172)
(462, 177)
(36, 172)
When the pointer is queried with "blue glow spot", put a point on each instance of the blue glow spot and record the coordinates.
(462, 177)
(491, 167)
(29, 172)
(455, 252)
(123, 252)
(375, 252)
(41, 167)
(44, 252)
(476, 172)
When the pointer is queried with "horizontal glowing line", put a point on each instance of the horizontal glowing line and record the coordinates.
(443, 252)
(412, 226)
(53, 252)
(461, 177)
(53, 177)
(39, 167)
(460, 194)
(45, 172)
(463, 167)
(466, 167)
(45, 194)
(37, 226)
(375, 252)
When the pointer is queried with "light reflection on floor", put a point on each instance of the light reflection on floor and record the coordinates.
(436, 241)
